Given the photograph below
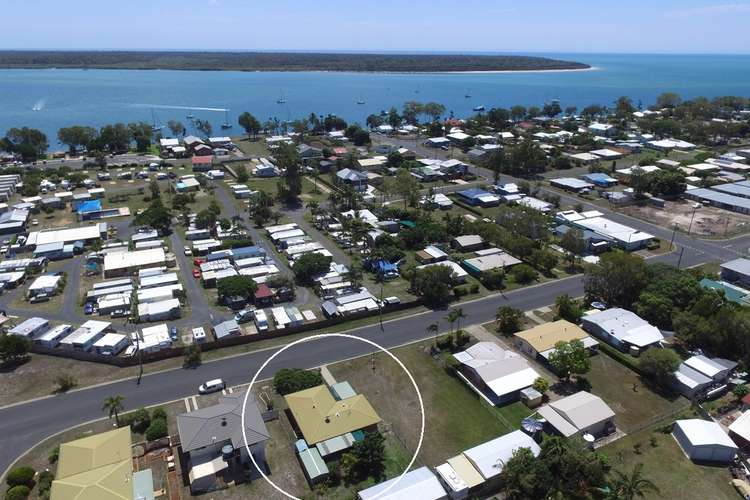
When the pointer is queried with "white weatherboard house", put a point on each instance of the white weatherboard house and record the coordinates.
(496, 374)
(704, 441)
(419, 484)
(579, 413)
(622, 329)
(700, 373)
(490, 457)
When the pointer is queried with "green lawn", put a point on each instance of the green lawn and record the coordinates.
(455, 418)
(667, 466)
(512, 414)
(253, 148)
(634, 403)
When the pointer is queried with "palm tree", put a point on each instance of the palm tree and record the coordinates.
(633, 485)
(432, 329)
(114, 405)
(459, 315)
(451, 318)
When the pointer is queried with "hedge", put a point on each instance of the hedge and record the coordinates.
(19, 492)
(620, 357)
(21, 476)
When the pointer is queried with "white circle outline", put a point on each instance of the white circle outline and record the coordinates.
(317, 337)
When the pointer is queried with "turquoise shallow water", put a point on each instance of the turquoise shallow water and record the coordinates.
(50, 99)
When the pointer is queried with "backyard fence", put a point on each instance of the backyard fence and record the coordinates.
(174, 352)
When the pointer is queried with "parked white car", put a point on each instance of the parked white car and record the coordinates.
(214, 385)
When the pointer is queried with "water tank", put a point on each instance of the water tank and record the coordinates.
(227, 451)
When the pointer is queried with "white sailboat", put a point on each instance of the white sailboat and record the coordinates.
(226, 123)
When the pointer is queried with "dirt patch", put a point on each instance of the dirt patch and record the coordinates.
(708, 221)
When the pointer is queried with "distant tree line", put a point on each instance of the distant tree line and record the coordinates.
(270, 61)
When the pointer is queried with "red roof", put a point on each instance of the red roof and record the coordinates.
(746, 400)
(203, 160)
(263, 292)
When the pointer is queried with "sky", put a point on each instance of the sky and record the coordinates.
(544, 26)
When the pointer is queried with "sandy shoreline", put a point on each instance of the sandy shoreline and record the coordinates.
(590, 68)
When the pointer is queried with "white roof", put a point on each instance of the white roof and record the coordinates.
(502, 371)
(489, 458)
(420, 483)
(86, 332)
(434, 252)
(646, 169)
(704, 433)
(584, 156)
(706, 366)
(153, 336)
(138, 258)
(606, 153)
(620, 232)
(110, 340)
(626, 326)
(66, 235)
(45, 282)
(158, 307)
(53, 334)
(459, 271)
(576, 412)
(741, 426)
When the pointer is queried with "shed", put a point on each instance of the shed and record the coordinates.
(704, 441)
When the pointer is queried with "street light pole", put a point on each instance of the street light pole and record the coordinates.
(695, 209)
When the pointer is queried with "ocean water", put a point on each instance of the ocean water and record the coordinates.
(53, 98)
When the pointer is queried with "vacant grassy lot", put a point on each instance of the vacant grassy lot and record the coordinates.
(626, 393)
(254, 148)
(455, 419)
(667, 466)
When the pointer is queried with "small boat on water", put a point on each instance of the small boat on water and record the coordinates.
(479, 108)
(281, 100)
(226, 123)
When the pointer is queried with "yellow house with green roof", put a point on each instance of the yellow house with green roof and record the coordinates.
(320, 416)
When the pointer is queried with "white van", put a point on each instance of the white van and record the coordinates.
(261, 320)
(214, 385)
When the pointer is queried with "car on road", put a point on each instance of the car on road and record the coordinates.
(172, 175)
(88, 309)
(188, 251)
(198, 262)
(34, 222)
(173, 334)
(197, 274)
(214, 385)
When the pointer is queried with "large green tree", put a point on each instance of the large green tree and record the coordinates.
(570, 358)
(617, 279)
(76, 137)
(310, 265)
(250, 124)
(29, 143)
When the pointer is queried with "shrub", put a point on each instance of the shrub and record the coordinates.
(21, 476)
(159, 413)
(474, 288)
(157, 429)
(460, 291)
(523, 274)
(54, 455)
(44, 484)
(65, 382)
(541, 385)
(20, 492)
(140, 420)
(289, 380)
(462, 338)
(740, 391)
(445, 343)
